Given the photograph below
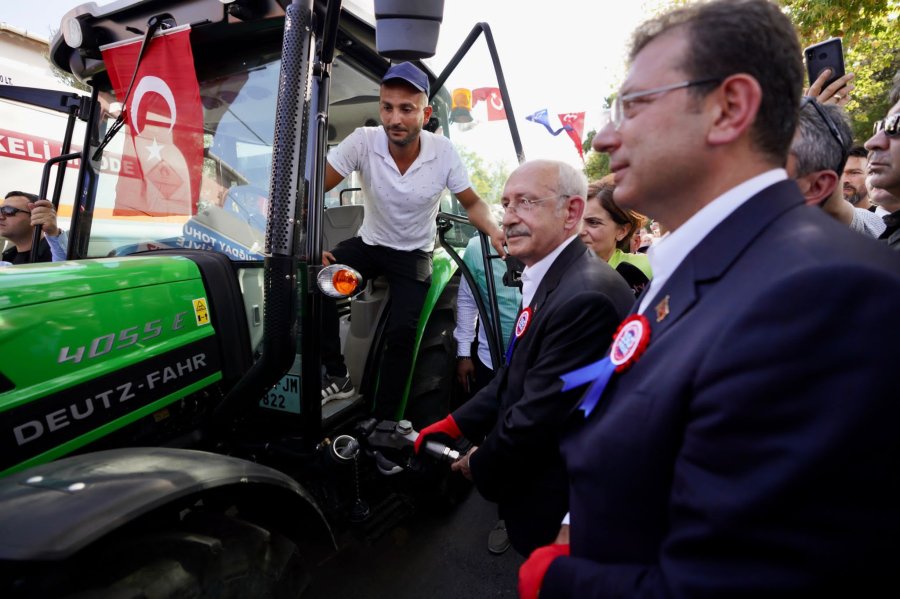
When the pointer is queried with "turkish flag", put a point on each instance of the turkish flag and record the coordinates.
(164, 120)
(495, 109)
(574, 124)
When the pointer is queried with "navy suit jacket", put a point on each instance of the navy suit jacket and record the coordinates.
(517, 418)
(754, 449)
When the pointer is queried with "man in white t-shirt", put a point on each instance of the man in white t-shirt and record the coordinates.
(853, 179)
(403, 171)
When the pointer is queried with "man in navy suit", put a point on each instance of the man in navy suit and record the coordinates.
(748, 443)
(572, 303)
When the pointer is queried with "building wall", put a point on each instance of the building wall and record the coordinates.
(23, 60)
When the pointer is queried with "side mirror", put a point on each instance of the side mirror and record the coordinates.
(407, 29)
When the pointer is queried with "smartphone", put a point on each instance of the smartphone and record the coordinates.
(825, 55)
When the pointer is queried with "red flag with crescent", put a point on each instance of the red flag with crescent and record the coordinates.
(164, 121)
(491, 95)
(574, 124)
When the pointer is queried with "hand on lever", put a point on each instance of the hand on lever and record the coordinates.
(447, 426)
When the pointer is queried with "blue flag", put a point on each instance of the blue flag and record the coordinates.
(542, 117)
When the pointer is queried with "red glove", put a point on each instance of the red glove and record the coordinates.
(531, 573)
(446, 426)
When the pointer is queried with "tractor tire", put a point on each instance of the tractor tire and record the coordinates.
(432, 387)
(430, 399)
(203, 555)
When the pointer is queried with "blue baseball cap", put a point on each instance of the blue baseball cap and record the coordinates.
(409, 73)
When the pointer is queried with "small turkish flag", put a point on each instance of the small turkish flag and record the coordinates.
(495, 109)
(574, 124)
(165, 123)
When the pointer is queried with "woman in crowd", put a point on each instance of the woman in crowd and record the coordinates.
(608, 230)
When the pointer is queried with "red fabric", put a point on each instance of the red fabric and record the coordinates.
(164, 120)
(447, 426)
(531, 573)
(576, 121)
(491, 95)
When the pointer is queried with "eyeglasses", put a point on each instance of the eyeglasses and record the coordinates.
(806, 101)
(11, 210)
(622, 105)
(890, 126)
(525, 204)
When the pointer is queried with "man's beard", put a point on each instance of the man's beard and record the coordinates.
(411, 136)
(857, 197)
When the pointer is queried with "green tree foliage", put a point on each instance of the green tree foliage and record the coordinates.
(596, 164)
(487, 179)
(871, 37)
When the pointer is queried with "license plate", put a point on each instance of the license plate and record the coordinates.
(284, 396)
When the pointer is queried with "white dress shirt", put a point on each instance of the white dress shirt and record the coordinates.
(668, 253)
(532, 275)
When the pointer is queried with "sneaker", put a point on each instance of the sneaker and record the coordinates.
(336, 387)
(498, 541)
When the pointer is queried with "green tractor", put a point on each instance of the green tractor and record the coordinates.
(160, 406)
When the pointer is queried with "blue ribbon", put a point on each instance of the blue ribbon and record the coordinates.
(509, 348)
(599, 372)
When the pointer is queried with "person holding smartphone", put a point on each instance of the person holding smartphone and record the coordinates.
(825, 70)
(838, 92)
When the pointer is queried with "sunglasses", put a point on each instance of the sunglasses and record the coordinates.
(11, 210)
(832, 128)
(890, 126)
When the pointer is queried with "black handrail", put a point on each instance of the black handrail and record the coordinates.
(494, 333)
(477, 30)
(45, 183)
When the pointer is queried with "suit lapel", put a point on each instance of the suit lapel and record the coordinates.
(554, 275)
(673, 300)
(551, 280)
(715, 254)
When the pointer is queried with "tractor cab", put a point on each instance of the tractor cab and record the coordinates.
(177, 356)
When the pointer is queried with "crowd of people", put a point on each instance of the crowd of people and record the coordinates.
(725, 443)
(712, 418)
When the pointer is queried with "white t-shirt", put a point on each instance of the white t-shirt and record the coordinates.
(400, 210)
(867, 223)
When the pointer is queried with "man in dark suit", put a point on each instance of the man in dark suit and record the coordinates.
(572, 303)
(741, 449)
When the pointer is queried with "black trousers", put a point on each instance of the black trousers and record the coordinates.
(409, 278)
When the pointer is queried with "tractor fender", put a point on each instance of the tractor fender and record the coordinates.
(51, 511)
